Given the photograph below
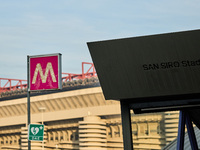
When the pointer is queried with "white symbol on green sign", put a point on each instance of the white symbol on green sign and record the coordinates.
(35, 132)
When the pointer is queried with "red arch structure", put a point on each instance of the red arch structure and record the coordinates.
(7, 84)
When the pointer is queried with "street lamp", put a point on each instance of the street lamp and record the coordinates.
(42, 109)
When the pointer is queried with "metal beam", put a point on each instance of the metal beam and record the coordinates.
(181, 131)
(191, 134)
(126, 125)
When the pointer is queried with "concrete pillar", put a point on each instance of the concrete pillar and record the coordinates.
(171, 125)
(64, 135)
(120, 132)
(148, 129)
(58, 133)
(92, 134)
(49, 136)
(54, 136)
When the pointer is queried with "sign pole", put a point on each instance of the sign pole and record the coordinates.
(29, 116)
(35, 66)
(126, 126)
(28, 101)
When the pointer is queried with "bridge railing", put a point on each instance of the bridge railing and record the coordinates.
(7, 84)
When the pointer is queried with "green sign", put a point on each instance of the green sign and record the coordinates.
(36, 132)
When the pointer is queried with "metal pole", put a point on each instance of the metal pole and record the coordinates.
(181, 130)
(126, 125)
(43, 137)
(42, 117)
(42, 109)
(29, 117)
(28, 101)
(191, 134)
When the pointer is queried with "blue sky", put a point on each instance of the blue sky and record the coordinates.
(33, 27)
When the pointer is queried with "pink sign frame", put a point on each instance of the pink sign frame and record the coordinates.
(44, 72)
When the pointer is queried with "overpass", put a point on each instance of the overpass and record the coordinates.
(77, 118)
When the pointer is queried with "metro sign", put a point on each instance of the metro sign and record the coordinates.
(45, 72)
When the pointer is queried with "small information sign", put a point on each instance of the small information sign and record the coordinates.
(36, 132)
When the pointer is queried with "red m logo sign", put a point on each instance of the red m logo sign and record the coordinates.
(44, 76)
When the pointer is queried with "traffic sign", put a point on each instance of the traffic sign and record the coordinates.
(36, 132)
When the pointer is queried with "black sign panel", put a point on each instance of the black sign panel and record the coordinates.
(165, 65)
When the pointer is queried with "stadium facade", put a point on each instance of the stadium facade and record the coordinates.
(79, 118)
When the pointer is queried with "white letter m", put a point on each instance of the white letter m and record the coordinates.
(43, 77)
